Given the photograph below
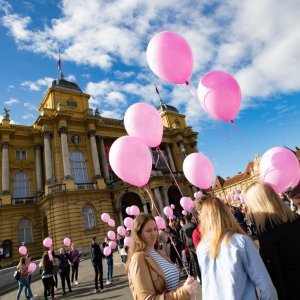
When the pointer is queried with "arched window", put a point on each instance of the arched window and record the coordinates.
(89, 217)
(25, 232)
(78, 167)
(21, 185)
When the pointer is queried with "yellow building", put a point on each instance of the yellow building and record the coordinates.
(56, 179)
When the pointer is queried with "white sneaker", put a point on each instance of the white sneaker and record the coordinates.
(76, 282)
(96, 291)
(108, 282)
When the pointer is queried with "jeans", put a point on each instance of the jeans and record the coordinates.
(109, 264)
(26, 289)
(23, 282)
(98, 268)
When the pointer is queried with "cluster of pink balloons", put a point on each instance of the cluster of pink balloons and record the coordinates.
(144, 125)
(187, 203)
(198, 170)
(170, 57)
(105, 217)
(133, 210)
(279, 167)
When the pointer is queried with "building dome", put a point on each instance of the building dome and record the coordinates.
(164, 107)
(66, 85)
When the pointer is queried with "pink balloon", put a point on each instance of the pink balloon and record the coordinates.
(31, 267)
(112, 245)
(237, 198)
(105, 217)
(47, 242)
(144, 122)
(198, 194)
(168, 211)
(112, 223)
(128, 212)
(232, 192)
(128, 222)
(279, 167)
(134, 210)
(228, 197)
(127, 241)
(184, 212)
(220, 95)
(242, 199)
(160, 222)
(191, 204)
(23, 250)
(111, 235)
(172, 206)
(131, 160)
(185, 203)
(67, 242)
(107, 251)
(198, 170)
(121, 231)
(170, 57)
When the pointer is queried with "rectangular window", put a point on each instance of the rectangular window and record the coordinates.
(71, 103)
(20, 154)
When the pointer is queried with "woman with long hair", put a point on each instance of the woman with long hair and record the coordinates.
(22, 267)
(151, 275)
(230, 263)
(46, 266)
(278, 232)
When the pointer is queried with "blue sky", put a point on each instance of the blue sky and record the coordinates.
(103, 49)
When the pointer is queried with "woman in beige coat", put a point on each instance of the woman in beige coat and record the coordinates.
(151, 274)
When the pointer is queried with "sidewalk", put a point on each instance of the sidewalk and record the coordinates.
(119, 289)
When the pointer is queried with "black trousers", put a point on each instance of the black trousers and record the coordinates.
(48, 286)
(194, 263)
(75, 271)
(98, 268)
(65, 276)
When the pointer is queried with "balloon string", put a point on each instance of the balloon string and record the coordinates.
(191, 89)
(227, 138)
(238, 133)
(158, 149)
(151, 199)
(158, 157)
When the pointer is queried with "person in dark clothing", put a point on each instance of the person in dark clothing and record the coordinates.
(188, 230)
(176, 245)
(75, 258)
(46, 267)
(96, 258)
(65, 260)
(109, 263)
(279, 239)
(240, 218)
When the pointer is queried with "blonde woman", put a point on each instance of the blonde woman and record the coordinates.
(230, 263)
(278, 231)
(151, 275)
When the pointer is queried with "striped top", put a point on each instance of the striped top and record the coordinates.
(170, 270)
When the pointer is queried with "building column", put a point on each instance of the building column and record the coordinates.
(5, 169)
(65, 152)
(145, 208)
(170, 158)
(103, 159)
(97, 171)
(182, 149)
(38, 168)
(165, 196)
(48, 157)
(159, 200)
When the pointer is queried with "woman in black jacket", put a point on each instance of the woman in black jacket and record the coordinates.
(64, 268)
(278, 232)
(46, 266)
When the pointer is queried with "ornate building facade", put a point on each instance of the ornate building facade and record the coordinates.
(56, 179)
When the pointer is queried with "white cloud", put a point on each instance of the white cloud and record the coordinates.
(11, 102)
(30, 106)
(258, 41)
(37, 85)
(27, 116)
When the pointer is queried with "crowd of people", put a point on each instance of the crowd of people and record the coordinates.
(212, 246)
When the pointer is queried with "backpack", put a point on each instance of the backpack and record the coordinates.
(17, 275)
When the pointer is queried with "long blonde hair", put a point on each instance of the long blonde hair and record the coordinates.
(137, 244)
(265, 206)
(217, 222)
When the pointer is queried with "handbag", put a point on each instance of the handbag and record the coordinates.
(17, 275)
